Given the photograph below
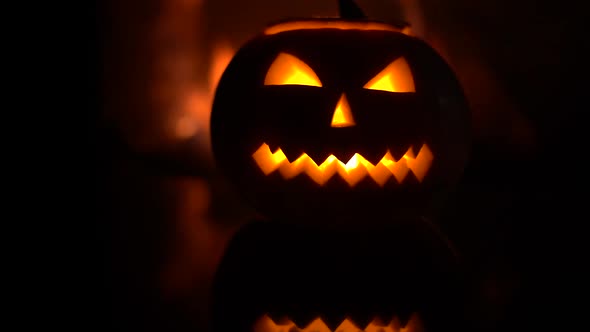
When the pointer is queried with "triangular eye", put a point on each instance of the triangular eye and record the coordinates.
(397, 77)
(288, 70)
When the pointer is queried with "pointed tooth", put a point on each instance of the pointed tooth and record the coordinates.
(374, 153)
(363, 322)
(398, 150)
(266, 323)
(302, 320)
(273, 146)
(298, 320)
(415, 144)
(344, 153)
(360, 320)
(282, 320)
(268, 315)
(292, 151)
(334, 321)
(346, 325)
(317, 325)
(318, 155)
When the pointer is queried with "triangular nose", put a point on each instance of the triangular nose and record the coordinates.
(342, 115)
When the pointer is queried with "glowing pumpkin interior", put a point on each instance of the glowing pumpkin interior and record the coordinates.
(353, 171)
(342, 116)
(397, 77)
(267, 324)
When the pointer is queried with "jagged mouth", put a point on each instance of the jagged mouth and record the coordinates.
(353, 171)
(267, 324)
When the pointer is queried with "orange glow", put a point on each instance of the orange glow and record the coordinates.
(352, 172)
(414, 325)
(317, 325)
(331, 24)
(199, 99)
(408, 31)
(288, 70)
(347, 326)
(186, 126)
(266, 324)
(397, 77)
(220, 58)
(342, 115)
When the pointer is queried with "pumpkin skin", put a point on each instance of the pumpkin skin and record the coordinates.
(295, 275)
(249, 115)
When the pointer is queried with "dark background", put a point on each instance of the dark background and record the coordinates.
(163, 217)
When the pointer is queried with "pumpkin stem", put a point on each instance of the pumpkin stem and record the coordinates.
(350, 10)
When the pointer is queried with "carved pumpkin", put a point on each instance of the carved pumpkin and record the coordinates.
(277, 277)
(339, 118)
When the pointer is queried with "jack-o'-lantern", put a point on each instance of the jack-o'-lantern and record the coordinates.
(339, 118)
(277, 277)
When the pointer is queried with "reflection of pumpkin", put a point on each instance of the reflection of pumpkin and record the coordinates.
(332, 116)
(281, 278)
